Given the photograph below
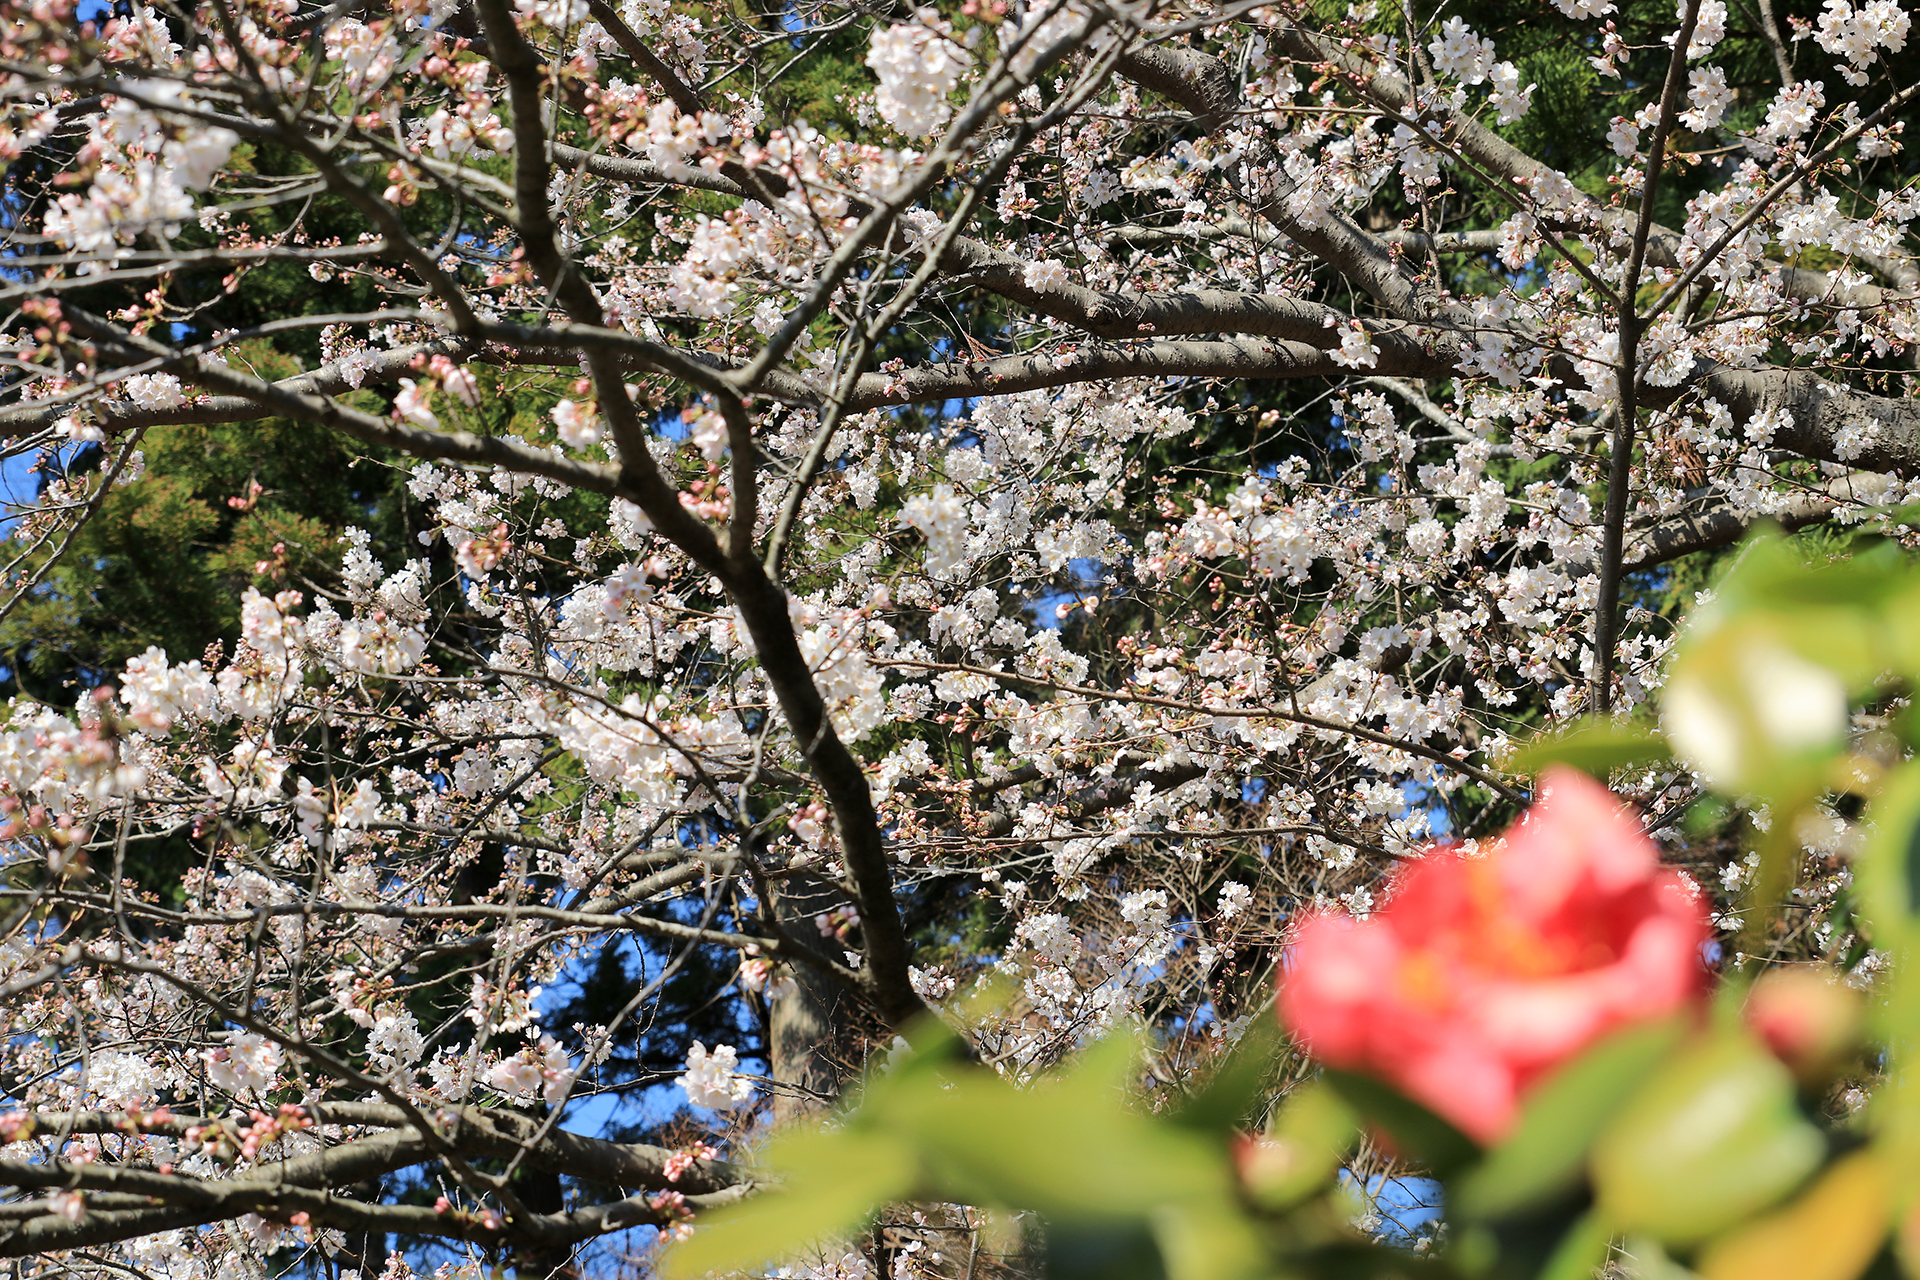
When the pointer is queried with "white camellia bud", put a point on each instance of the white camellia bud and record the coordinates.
(1729, 714)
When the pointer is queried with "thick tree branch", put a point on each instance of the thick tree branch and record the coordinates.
(312, 406)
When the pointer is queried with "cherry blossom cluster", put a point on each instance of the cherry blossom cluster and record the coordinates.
(1138, 532)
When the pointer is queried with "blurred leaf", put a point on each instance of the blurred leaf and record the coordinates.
(1302, 1150)
(831, 1179)
(1107, 1251)
(1887, 880)
(1241, 1083)
(1713, 1137)
(1651, 1261)
(1888, 868)
(1902, 630)
(1831, 1233)
(1906, 1232)
(1594, 746)
(1547, 1152)
(1773, 574)
(1557, 1245)
(1706, 817)
(1072, 1148)
(1208, 1242)
(1412, 1130)
(1582, 1252)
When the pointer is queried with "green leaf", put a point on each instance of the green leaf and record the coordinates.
(1241, 1083)
(1102, 1251)
(1772, 573)
(1208, 1242)
(1072, 1148)
(1887, 881)
(1582, 1252)
(1414, 1131)
(1757, 689)
(831, 1180)
(1832, 1232)
(1594, 746)
(1310, 1135)
(1546, 1154)
(1888, 867)
(1712, 1138)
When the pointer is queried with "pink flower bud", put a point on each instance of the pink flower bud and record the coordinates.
(1806, 1017)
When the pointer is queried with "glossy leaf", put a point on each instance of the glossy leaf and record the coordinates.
(1757, 690)
(1750, 708)
(1546, 1154)
(1901, 616)
(1411, 1129)
(1582, 1251)
(1072, 1148)
(1714, 1136)
(1830, 1233)
(1772, 573)
(1240, 1085)
(830, 1180)
(1594, 746)
(1302, 1149)
(1888, 868)
(1208, 1242)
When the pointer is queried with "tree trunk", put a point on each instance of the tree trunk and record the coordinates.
(810, 1033)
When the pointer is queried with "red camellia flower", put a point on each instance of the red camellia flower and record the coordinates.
(1481, 974)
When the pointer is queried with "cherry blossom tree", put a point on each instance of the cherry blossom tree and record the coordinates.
(871, 594)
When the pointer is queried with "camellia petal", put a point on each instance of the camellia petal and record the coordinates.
(1482, 974)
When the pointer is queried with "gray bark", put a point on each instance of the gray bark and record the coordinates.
(810, 1033)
